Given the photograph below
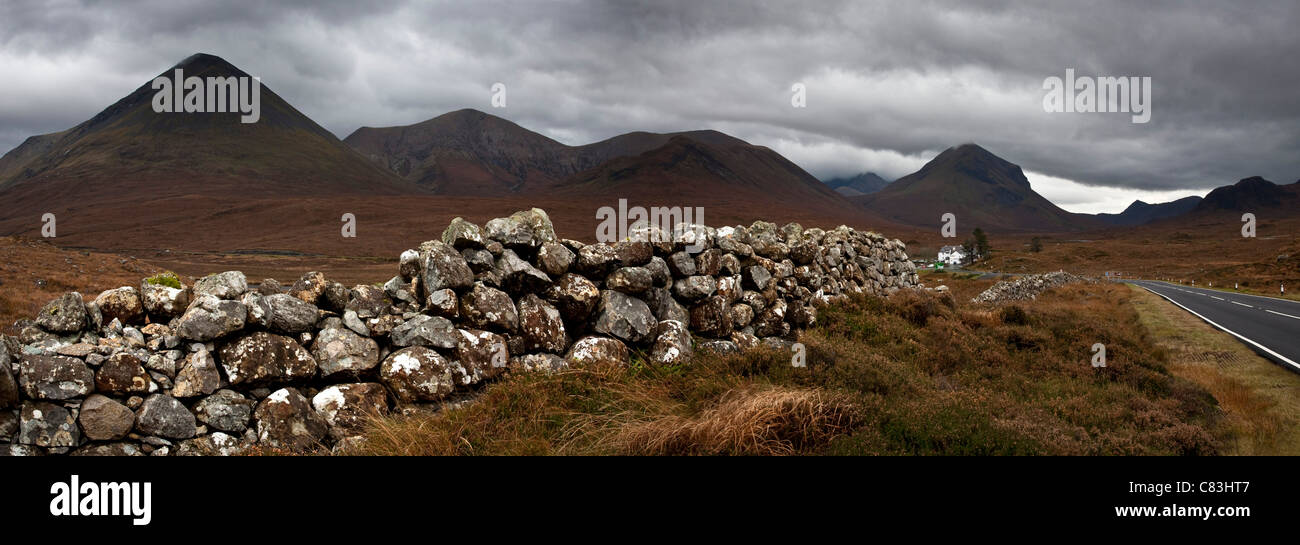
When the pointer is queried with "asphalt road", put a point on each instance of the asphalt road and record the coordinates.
(1268, 325)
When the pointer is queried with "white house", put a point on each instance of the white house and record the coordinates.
(952, 255)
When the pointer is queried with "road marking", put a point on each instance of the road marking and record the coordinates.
(1242, 304)
(1219, 298)
(1294, 365)
(1282, 314)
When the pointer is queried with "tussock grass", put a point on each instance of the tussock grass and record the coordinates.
(915, 374)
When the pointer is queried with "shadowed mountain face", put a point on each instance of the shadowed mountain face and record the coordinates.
(1140, 213)
(865, 183)
(981, 189)
(1250, 194)
(471, 153)
(130, 149)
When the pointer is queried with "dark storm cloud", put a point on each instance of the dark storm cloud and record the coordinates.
(889, 84)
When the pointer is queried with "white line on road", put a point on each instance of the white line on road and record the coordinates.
(1219, 298)
(1242, 304)
(1282, 314)
(1231, 332)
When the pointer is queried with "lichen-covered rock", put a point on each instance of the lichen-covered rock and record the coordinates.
(261, 358)
(8, 384)
(347, 408)
(541, 325)
(226, 285)
(462, 234)
(108, 449)
(122, 304)
(225, 410)
(543, 363)
(198, 376)
(522, 230)
(665, 307)
(574, 296)
(483, 354)
(695, 288)
(598, 350)
(64, 314)
(712, 317)
(424, 330)
(286, 420)
(681, 264)
(597, 260)
(54, 377)
(209, 318)
(624, 317)
(341, 352)
(310, 287)
(216, 444)
(269, 286)
(419, 374)
(164, 416)
(367, 301)
(289, 314)
(630, 280)
(443, 303)
(45, 424)
(519, 276)
(771, 322)
(741, 315)
(123, 373)
(672, 343)
(442, 267)
(489, 308)
(719, 347)
(554, 258)
(756, 277)
(104, 419)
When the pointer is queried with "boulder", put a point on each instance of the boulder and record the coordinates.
(342, 353)
(597, 260)
(164, 296)
(8, 384)
(419, 374)
(598, 350)
(544, 363)
(122, 304)
(424, 330)
(64, 314)
(164, 416)
(541, 325)
(289, 314)
(482, 354)
(681, 264)
(624, 317)
(519, 276)
(104, 419)
(489, 308)
(554, 258)
(123, 373)
(225, 410)
(285, 420)
(261, 358)
(45, 424)
(443, 303)
(672, 343)
(442, 267)
(310, 287)
(574, 296)
(630, 280)
(664, 306)
(348, 408)
(712, 317)
(462, 234)
(54, 377)
(526, 229)
(108, 449)
(209, 318)
(367, 301)
(198, 376)
(226, 285)
(695, 288)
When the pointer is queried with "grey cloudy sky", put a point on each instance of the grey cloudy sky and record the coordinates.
(889, 84)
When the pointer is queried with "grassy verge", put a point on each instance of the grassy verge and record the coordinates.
(914, 374)
(1260, 399)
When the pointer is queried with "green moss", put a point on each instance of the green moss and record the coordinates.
(167, 278)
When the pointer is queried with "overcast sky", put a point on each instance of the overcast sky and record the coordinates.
(889, 84)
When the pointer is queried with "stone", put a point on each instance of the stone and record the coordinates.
(367, 301)
(335, 298)
(209, 318)
(541, 325)
(225, 410)
(226, 285)
(543, 363)
(104, 419)
(443, 303)
(554, 258)
(343, 353)
(721, 348)
(756, 277)
(198, 376)
(122, 373)
(522, 230)
(624, 317)
(108, 449)
(408, 265)
(660, 275)
(164, 296)
(9, 424)
(123, 304)
(419, 374)
(594, 350)
(216, 444)
(744, 341)
(290, 315)
(261, 358)
(354, 323)
(712, 317)
(269, 286)
(741, 315)
(630, 280)
(8, 385)
(695, 288)
(442, 267)
(78, 350)
(633, 253)
(681, 264)
(45, 424)
(479, 260)
(424, 330)
(310, 287)
(729, 288)
(164, 416)
(574, 296)
(519, 276)
(54, 377)
(64, 314)
(285, 420)
(597, 260)
(482, 354)
(672, 343)
(665, 307)
(348, 408)
(462, 234)
(489, 308)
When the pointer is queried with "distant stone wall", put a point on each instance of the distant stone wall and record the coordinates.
(217, 367)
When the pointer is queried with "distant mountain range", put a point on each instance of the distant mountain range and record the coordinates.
(865, 183)
(137, 158)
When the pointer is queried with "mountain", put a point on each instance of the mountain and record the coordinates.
(1140, 213)
(128, 150)
(1250, 194)
(865, 183)
(472, 153)
(980, 188)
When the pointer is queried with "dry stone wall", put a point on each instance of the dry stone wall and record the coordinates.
(222, 366)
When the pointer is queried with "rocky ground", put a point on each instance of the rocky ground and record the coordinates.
(219, 367)
(1027, 287)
